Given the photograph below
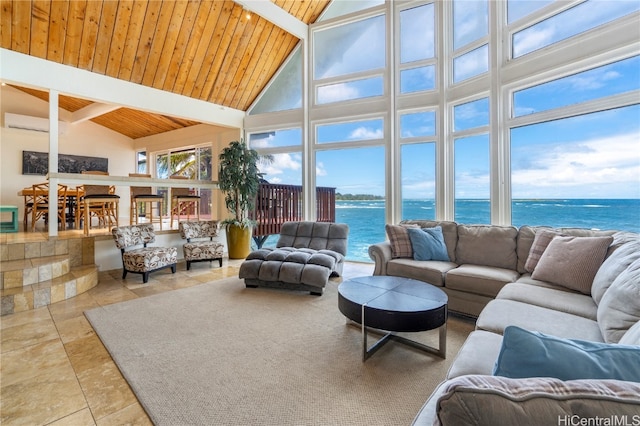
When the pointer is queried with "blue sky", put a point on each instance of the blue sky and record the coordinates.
(590, 156)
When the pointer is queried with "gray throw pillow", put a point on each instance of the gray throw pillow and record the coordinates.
(572, 262)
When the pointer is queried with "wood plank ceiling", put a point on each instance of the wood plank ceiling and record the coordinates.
(204, 49)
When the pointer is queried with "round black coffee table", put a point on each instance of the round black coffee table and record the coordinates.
(394, 304)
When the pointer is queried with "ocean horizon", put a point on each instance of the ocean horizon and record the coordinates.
(366, 218)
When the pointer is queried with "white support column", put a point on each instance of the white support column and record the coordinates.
(308, 139)
(53, 162)
(500, 190)
(445, 173)
(393, 180)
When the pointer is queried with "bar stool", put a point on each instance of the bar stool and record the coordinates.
(143, 195)
(99, 201)
(183, 200)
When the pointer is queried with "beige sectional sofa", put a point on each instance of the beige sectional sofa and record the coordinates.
(486, 277)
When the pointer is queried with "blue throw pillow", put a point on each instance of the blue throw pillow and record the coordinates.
(428, 244)
(532, 354)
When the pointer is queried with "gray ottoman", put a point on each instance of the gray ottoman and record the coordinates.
(314, 252)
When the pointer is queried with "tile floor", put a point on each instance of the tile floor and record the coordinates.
(55, 371)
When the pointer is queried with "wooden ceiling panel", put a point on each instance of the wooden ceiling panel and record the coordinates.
(204, 49)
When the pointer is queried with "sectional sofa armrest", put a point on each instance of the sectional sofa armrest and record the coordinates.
(380, 253)
(531, 401)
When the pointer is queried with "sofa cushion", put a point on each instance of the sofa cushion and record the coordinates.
(501, 313)
(572, 261)
(399, 239)
(558, 298)
(488, 245)
(477, 355)
(527, 353)
(619, 308)
(494, 400)
(540, 242)
(428, 244)
(632, 336)
(526, 279)
(477, 279)
(613, 265)
(431, 271)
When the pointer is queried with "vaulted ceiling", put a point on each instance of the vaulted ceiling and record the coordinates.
(210, 50)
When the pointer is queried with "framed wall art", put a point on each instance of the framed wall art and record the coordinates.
(37, 163)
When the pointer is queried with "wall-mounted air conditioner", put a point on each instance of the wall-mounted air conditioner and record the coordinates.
(27, 122)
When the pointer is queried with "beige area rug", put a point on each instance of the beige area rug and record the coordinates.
(219, 353)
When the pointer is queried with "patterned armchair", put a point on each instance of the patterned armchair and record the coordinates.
(200, 246)
(144, 259)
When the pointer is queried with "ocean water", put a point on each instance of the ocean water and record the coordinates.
(366, 218)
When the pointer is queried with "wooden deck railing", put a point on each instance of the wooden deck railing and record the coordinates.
(277, 204)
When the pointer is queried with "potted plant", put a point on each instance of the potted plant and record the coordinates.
(239, 179)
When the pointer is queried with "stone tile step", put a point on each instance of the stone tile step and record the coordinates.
(77, 281)
(23, 272)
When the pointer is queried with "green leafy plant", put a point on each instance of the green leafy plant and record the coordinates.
(239, 179)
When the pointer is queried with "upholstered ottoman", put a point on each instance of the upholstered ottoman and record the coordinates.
(306, 256)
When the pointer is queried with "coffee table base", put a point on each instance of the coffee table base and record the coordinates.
(367, 351)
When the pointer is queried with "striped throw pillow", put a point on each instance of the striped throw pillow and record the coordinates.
(400, 241)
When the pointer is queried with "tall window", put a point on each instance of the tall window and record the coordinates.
(418, 164)
(582, 173)
(360, 196)
(470, 30)
(285, 92)
(346, 58)
(487, 107)
(417, 49)
(471, 153)
(573, 21)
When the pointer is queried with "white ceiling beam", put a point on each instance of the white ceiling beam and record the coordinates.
(91, 111)
(24, 70)
(277, 16)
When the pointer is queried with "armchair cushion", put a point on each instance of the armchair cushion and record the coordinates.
(135, 235)
(149, 258)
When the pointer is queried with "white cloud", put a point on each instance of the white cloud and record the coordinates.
(337, 92)
(592, 81)
(281, 163)
(531, 39)
(607, 167)
(363, 133)
(471, 64)
(320, 170)
(263, 142)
